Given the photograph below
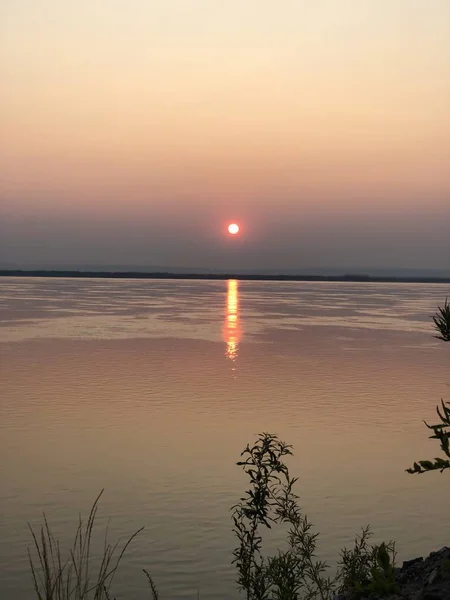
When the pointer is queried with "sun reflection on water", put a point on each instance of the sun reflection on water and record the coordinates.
(231, 327)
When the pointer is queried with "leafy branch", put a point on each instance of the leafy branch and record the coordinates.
(441, 431)
(442, 322)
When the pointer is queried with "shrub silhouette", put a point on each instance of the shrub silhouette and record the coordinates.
(441, 431)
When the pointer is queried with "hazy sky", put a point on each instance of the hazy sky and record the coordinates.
(133, 131)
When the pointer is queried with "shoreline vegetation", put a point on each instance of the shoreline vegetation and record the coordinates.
(364, 572)
(351, 278)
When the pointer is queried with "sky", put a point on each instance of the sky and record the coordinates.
(134, 131)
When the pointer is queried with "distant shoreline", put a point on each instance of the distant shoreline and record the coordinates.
(219, 276)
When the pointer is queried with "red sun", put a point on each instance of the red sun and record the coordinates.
(233, 228)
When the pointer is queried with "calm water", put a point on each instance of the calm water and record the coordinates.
(150, 389)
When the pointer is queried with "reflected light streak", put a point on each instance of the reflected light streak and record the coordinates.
(231, 327)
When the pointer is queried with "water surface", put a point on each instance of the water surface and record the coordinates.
(151, 388)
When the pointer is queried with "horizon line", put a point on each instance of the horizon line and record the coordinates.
(344, 277)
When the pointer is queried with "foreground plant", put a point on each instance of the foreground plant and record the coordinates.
(291, 574)
(271, 501)
(74, 577)
(296, 572)
(441, 431)
(368, 569)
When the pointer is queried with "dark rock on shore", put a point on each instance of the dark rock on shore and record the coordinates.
(427, 579)
(420, 579)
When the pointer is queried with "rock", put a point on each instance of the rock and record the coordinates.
(437, 591)
(433, 576)
(409, 563)
(443, 550)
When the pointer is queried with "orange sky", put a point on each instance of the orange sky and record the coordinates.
(113, 108)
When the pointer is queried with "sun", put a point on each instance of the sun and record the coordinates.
(233, 228)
